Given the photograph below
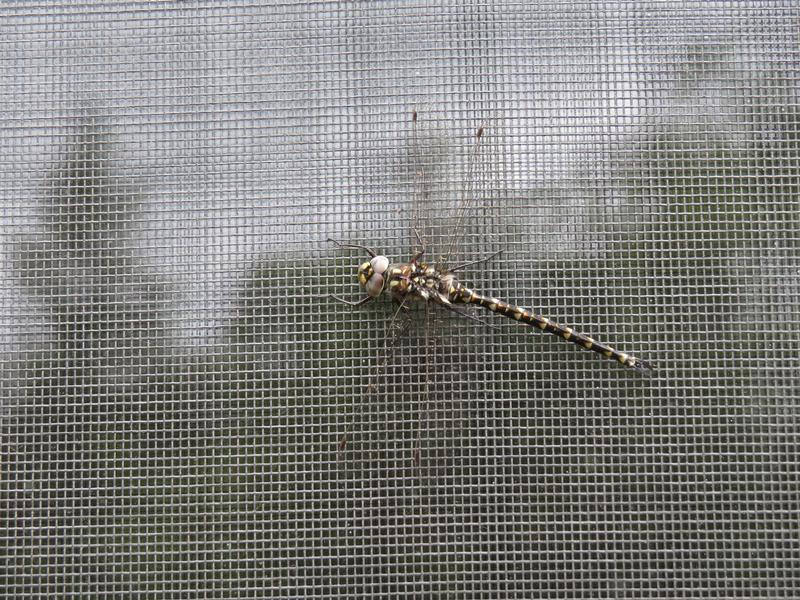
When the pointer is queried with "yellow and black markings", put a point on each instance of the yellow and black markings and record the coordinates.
(462, 294)
(424, 282)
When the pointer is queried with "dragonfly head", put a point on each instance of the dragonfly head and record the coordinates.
(371, 275)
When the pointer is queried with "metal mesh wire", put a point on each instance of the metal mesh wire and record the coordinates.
(176, 380)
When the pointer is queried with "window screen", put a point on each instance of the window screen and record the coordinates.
(188, 412)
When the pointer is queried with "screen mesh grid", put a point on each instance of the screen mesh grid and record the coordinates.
(177, 381)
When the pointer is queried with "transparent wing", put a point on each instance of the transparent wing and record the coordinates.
(428, 159)
(396, 328)
(444, 178)
(428, 154)
(466, 200)
(441, 194)
(444, 196)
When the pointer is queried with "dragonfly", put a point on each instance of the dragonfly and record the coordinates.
(423, 282)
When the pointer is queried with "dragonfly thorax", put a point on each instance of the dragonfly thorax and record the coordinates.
(420, 281)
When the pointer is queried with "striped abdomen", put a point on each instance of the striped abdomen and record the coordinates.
(464, 295)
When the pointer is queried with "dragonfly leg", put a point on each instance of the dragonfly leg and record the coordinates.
(350, 302)
(369, 251)
(461, 313)
(475, 262)
(421, 252)
(402, 325)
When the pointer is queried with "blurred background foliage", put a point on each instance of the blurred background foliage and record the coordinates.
(131, 461)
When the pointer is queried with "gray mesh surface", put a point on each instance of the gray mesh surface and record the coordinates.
(176, 380)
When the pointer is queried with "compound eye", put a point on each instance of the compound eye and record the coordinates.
(374, 286)
(379, 264)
